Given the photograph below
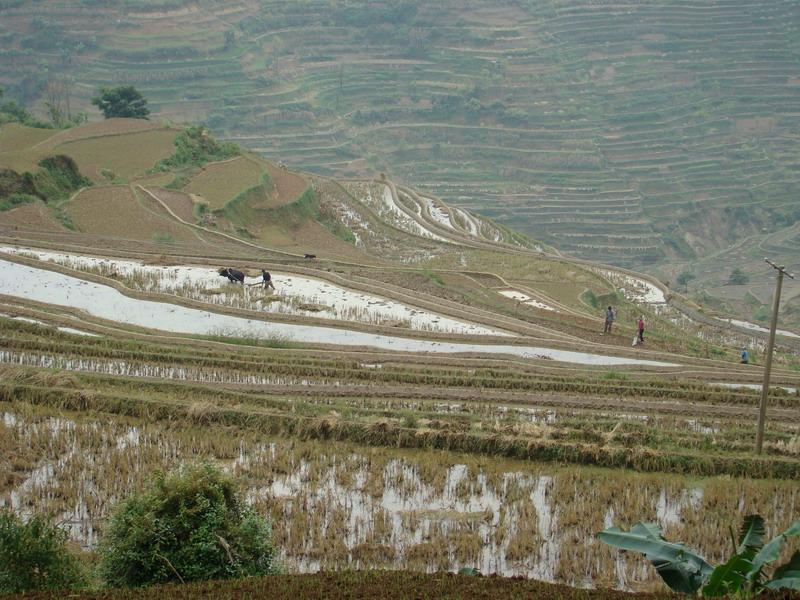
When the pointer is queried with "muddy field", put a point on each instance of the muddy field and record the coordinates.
(336, 506)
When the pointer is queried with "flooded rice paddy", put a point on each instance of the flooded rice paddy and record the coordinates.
(525, 299)
(107, 302)
(294, 294)
(635, 289)
(337, 506)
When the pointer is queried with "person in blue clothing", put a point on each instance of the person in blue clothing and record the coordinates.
(745, 356)
(610, 316)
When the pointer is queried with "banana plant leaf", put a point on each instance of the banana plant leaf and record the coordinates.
(728, 578)
(772, 550)
(682, 570)
(731, 576)
(787, 576)
(751, 536)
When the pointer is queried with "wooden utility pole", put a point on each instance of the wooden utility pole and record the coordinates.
(762, 409)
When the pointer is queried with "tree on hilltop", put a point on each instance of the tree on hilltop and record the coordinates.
(121, 101)
(684, 278)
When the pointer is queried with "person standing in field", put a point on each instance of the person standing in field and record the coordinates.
(745, 356)
(267, 279)
(610, 316)
(640, 324)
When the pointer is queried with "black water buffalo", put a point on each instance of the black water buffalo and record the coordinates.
(234, 275)
(309, 256)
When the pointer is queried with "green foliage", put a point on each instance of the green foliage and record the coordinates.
(57, 178)
(163, 238)
(236, 209)
(194, 147)
(11, 112)
(245, 337)
(292, 215)
(684, 278)
(122, 101)
(738, 277)
(682, 570)
(434, 277)
(189, 526)
(613, 375)
(179, 181)
(590, 298)
(62, 217)
(34, 556)
(686, 572)
(330, 221)
(15, 200)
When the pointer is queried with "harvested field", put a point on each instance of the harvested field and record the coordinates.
(334, 505)
(126, 156)
(15, 137)
(34, 216)
(115, 211)
(287, 186)
(98, 129)
(178, 202)
(218, 183)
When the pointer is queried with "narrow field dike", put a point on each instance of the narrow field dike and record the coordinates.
(387, 585)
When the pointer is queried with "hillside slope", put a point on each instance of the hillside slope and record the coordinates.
(637, 132)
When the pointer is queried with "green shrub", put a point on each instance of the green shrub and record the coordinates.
(15, 200)
(194, 147)
(590, 298)
(57, 178)
(179, 181)
(189, 526)
(34, 556)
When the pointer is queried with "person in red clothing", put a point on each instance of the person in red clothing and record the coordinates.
(641, 329)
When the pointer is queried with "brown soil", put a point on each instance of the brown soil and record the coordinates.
(31, 216)
(114, 211)
(178, 202)
(387, 585)
(100, 128)
(312, 238)
(288, 186)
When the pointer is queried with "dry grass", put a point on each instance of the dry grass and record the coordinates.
(127, 156)
(287, 186)
(218, 183)
(114, 211)
(15, 137)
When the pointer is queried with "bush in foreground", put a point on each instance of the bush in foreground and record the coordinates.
(34, 556)
(189, 526)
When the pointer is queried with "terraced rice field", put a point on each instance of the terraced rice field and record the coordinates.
(439, 396)
(370, 457)
(638, 132)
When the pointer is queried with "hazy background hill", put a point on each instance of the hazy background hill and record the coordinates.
(656, 133)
